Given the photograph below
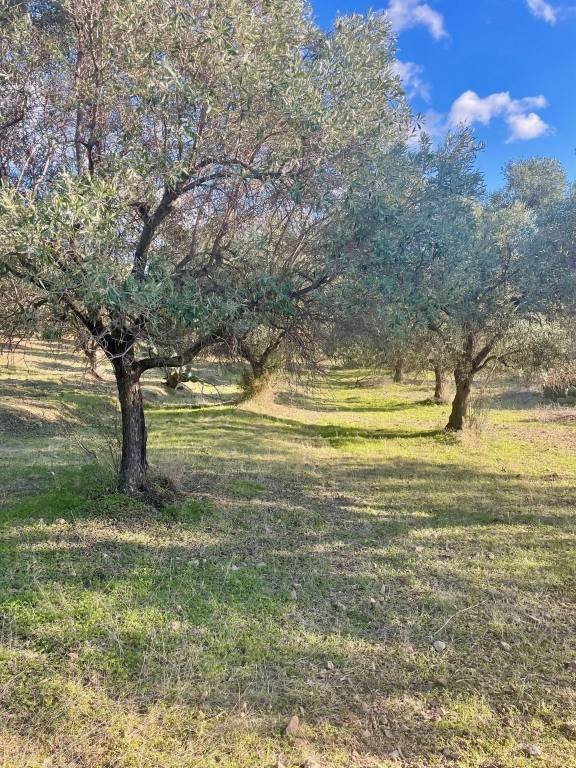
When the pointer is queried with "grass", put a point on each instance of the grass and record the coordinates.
(330, 535)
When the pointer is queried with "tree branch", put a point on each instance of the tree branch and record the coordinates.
(176, 361)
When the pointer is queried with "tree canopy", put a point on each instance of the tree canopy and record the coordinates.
(168, 167)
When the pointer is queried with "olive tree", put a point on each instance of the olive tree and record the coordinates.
(145, 141)
(306, 252)
(500, 303)
(552, 250)
(454, 262)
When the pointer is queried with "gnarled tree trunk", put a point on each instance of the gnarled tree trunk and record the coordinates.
(398, 371)
(463, 381)
(438, 383)
(134, 465)
(256, 379)
(259, 377)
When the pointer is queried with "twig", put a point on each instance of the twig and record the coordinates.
(462, 610)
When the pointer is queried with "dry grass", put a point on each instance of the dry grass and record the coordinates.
(330, 536)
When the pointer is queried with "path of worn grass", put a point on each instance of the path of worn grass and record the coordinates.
(329, 538)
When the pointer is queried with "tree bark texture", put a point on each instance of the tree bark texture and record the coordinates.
(399, 371)
(463, 380)
(438, 383)
(134, 465)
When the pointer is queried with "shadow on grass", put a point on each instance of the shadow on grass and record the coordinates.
(276, 570)
(249, 426)
(317, 403)
(22, 422)
(258, 596)
(53, 389)
(337, 432)
(522, 400)
(43, 350)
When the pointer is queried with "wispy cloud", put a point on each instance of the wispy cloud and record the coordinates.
(518, 114)
(405, 14)
(543, 10)
(411, 75)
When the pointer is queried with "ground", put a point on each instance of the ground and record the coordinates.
(407, 594)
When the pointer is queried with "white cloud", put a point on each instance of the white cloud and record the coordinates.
(412, 80)
(526, 127)
(518, 114)
(543, 10)
(405, 14)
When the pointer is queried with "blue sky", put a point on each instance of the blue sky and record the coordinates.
(508, 67)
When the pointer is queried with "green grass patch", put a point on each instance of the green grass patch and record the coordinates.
(246, 489)
(325, 540)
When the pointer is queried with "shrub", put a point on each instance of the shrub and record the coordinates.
(51, 333)
(560, 383)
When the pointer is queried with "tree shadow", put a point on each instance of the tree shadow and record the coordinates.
(523, 400)
(259, 594)
(283, 563)
(54, 389)
(37, 419)
(248, 427)
(309, 402)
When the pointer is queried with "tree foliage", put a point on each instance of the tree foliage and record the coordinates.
(168, 168)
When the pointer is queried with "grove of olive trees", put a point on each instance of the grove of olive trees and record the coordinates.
(287, 385)
(201, 182)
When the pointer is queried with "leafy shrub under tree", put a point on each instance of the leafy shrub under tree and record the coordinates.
(560, 383)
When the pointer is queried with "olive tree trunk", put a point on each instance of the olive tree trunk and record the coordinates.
(399, 371)
(438, 383)
(134, 466)
(460, 403)
(255, 380)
